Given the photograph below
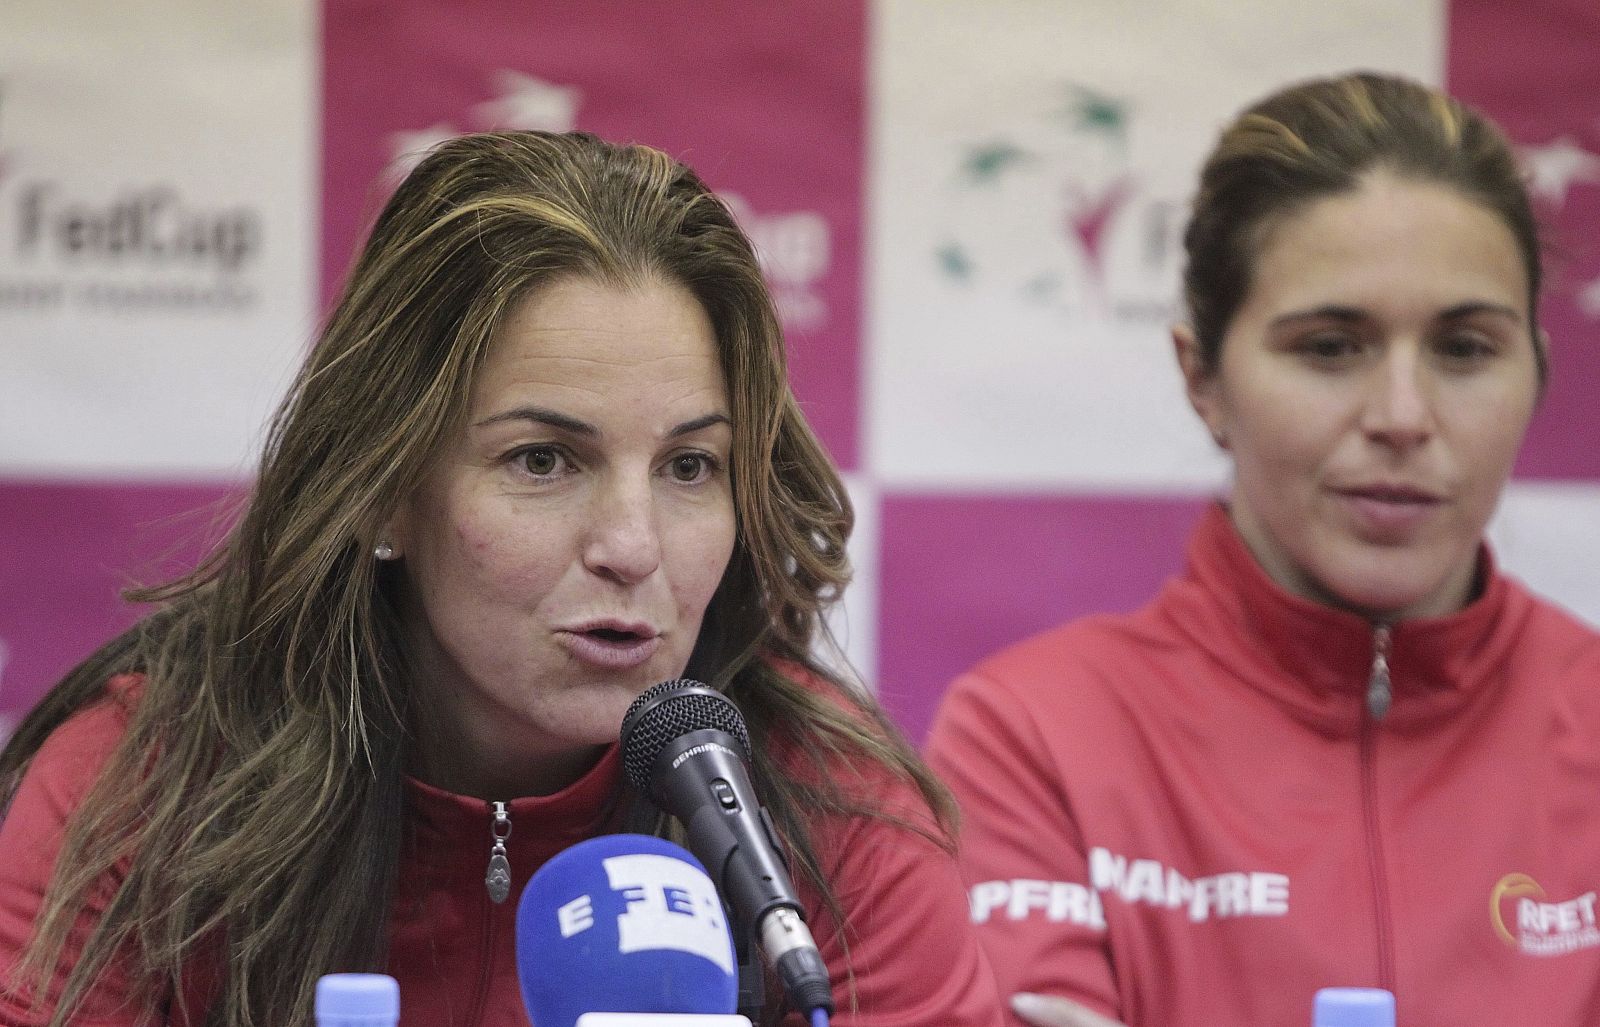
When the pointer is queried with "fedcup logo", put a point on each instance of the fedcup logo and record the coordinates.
(795, 247)
(1052, 210)
(519, 101)
(159, 243)
(1525, 921)
(1558, 170)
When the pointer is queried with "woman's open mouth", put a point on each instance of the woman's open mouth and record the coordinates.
(611, 646)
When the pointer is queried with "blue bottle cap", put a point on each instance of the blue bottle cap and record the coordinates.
(1353, 1007)
(357, 1000)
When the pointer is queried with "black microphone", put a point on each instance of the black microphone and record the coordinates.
(686, 747)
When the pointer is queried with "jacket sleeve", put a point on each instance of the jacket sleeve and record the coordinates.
(31, 834)
(1023, 856)
(914, 956)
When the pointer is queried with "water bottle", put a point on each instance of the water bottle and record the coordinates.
(1353, 1007)
(358, 1000)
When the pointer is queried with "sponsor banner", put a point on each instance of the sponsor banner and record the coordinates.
(156, 225)
(1031, 170)
(972, 574)
(764, 101)
(69, 550)
(1025, 454)
(1533, 68)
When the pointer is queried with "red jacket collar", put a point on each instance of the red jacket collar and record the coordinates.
(1318, 659)
(450, 826)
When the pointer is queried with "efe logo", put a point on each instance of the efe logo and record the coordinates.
(669, 904)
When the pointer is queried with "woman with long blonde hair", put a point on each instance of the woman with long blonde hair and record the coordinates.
(543, 456)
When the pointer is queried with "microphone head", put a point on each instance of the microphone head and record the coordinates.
(668, 711)
(623, 923)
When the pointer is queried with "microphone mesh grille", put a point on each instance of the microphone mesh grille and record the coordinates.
(670, 710)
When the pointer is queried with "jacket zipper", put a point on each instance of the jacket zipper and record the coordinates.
(498, 877)
(497, 884)
(1378, 698)
(1379, 692)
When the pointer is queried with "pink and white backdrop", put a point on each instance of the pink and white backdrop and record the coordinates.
(969, 212)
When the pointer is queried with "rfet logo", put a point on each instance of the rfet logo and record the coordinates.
(1528, 923)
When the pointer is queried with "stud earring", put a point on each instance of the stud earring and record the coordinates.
(383, 550)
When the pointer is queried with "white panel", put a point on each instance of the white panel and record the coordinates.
(158, 219)
(1544, 533)
(1031, 164)
(853, 621)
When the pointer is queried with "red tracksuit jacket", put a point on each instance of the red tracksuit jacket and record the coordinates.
(1191, 815)
(915, 962)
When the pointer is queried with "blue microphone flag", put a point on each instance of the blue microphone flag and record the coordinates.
(623, 923)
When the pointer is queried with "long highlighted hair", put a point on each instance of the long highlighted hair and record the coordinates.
(256, 799)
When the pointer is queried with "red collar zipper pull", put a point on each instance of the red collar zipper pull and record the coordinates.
(1379, 691)
(498, 879)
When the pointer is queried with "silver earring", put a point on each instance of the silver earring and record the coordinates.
(383, 550)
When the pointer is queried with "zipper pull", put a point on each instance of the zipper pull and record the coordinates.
(1379, 692)
(498, 879)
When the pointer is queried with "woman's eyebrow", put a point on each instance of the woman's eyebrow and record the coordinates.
(1472, 307)
(699, 423)
(1326, 312)
(574, 426)
(542, 415)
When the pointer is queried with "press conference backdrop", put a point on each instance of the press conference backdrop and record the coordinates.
(969, 212)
